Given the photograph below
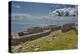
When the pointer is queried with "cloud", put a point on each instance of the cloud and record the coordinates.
(18, 6)
(21, 16)
(58, 12)
(64, 12)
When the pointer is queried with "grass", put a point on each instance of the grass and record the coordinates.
(54, 41)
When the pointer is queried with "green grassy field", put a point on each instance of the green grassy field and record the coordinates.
(54, 41)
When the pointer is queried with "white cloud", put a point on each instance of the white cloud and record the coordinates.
(21, 16)
(17, 6)
(64, 12)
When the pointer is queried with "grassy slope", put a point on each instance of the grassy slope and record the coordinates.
(61, 41)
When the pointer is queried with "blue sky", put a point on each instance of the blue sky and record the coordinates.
(36, 9)
(28, 14)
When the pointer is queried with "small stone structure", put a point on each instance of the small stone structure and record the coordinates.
(30, 31)
(19, 39)
(67, 27)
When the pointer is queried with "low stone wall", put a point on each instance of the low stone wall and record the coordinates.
(29, 37)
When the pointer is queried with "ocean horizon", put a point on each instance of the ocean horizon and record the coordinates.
(22, 23)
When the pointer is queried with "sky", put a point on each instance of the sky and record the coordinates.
(35, 9)
(28, 14)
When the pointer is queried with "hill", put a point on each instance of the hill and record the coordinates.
(56, 40)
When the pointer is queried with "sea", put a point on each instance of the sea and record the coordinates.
(21, 23)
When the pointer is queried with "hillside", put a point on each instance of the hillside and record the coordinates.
(56, 40)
